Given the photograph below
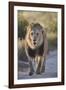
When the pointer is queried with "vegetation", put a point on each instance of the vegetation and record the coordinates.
(22, 25)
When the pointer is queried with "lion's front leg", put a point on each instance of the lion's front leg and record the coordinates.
(33, 64)
(41, 65)
(31, 72)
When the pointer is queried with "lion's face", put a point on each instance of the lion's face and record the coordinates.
(36, 37)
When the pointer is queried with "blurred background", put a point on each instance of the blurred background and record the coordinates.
(47, 19)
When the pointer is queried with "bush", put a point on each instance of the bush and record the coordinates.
(22, 26)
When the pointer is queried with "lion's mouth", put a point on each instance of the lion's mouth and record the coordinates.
(34, 43)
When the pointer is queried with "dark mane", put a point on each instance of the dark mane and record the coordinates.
(38, 51)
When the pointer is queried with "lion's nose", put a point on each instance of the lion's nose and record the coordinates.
(34, 40)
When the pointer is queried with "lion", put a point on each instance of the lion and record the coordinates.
(36, 47)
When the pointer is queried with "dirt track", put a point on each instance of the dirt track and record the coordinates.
(50, 70)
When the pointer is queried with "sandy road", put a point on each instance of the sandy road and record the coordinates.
(50, 70)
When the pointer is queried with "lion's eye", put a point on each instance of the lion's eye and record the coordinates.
(37, 34)
(32, 33)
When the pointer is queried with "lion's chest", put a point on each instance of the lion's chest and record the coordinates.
(38, 51)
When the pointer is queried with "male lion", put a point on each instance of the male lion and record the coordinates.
(36, 47)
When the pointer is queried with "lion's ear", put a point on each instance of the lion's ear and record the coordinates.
(30, 26)
(42, 32)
